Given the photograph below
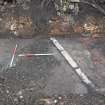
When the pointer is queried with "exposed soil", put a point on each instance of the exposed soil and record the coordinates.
(49, 80)
(45, 80)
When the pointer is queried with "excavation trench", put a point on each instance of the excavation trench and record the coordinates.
(49, 80)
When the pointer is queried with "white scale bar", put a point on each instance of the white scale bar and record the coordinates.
(13, 56)
(23, 55)
(71, 62)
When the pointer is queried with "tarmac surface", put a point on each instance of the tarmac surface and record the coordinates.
(33, 78)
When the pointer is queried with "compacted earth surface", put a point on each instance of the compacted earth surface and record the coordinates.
(49, 79)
